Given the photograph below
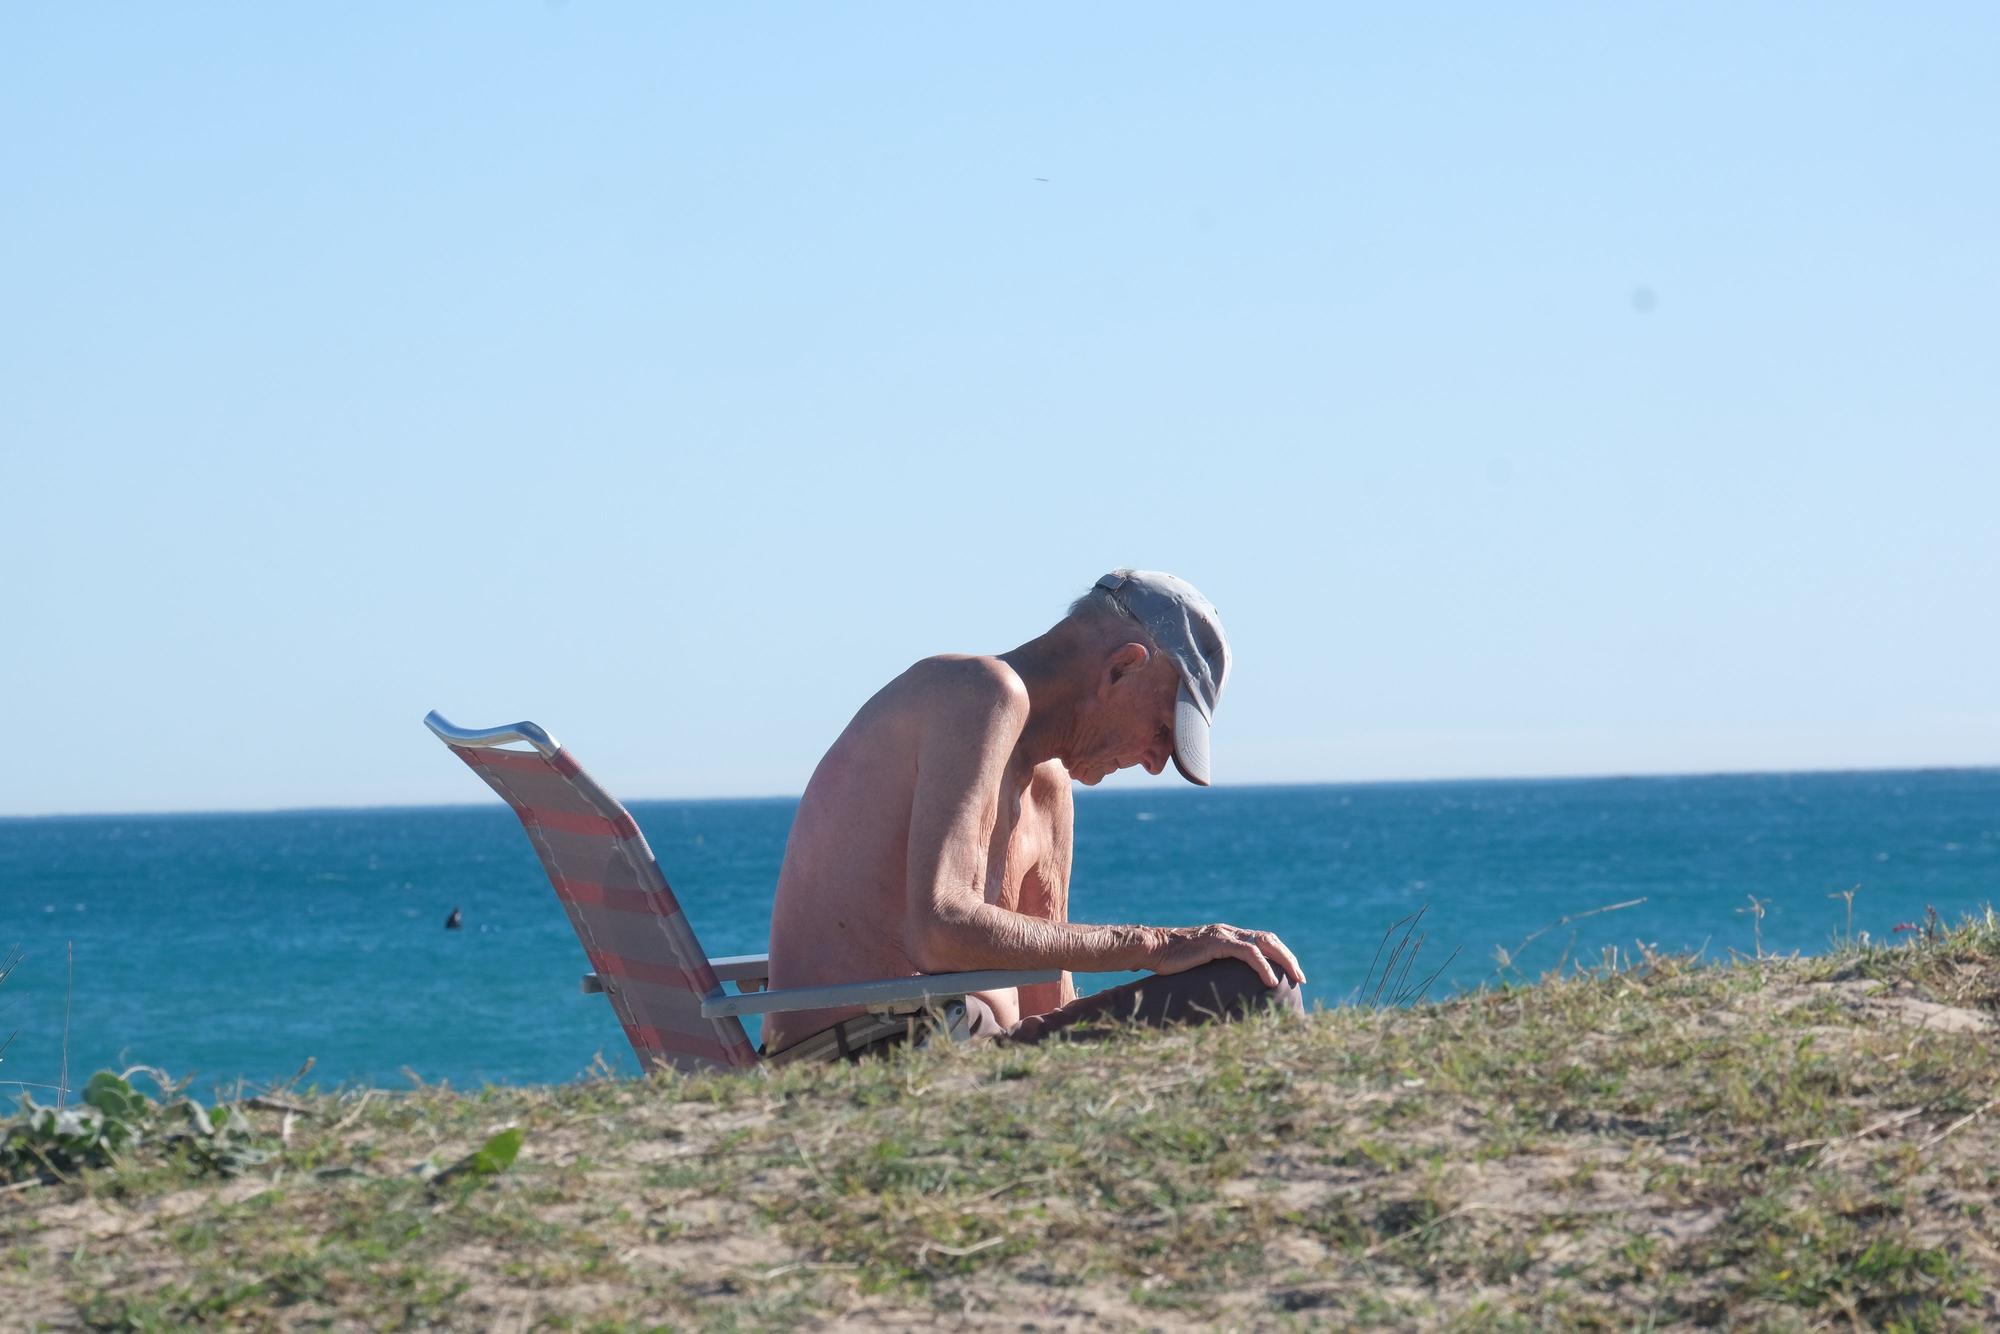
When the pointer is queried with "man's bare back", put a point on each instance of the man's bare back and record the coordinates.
(841, 904)
(936, 833)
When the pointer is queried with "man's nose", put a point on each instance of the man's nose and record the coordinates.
(1156, 760)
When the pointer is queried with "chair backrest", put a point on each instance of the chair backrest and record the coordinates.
(639, 942)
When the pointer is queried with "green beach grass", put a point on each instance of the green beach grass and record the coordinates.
(1781, 1143)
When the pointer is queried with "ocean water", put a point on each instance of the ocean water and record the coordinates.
(227, 946)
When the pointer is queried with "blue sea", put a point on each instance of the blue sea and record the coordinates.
(240, 945)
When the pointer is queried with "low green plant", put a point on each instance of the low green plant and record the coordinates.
(492, 1158)
(112, 1119)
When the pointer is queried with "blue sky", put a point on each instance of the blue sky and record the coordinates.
(1569, 389)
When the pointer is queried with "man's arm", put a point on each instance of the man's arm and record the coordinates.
(1045, 892)
(969, 736)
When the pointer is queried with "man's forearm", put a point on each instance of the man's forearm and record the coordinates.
(986, 936)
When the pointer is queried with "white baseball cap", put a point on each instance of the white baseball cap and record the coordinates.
(1185, 626)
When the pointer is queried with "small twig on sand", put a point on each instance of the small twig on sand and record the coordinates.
(1960, 1124)
(959, 1206)
(353, 1116)
(1826, 1146)
(1444, 1217)
(811, 1166)
(801, 1267)
(264, 1102)
(69, 991)
(957, 1252)
(1508, 956)
(160, 1077)
(296, 1077)
(1756, 913)
(1848, 895)
(48, 1166)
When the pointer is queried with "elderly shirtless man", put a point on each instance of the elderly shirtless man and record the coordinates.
(935, 835)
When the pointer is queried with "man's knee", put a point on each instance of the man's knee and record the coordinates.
(1231, 987)
(1219, 989)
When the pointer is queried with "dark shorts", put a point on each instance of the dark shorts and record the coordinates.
(1221, 989)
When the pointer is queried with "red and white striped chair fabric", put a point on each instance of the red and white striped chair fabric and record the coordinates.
(641, 947)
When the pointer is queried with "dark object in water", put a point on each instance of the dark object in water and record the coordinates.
(455, 921)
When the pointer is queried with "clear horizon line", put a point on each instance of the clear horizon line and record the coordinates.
(359, 808)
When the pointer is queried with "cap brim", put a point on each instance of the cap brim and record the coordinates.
(1190, 739)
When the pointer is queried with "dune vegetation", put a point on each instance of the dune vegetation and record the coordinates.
(1655, 1142)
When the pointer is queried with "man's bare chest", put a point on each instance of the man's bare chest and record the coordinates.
(1024, 841)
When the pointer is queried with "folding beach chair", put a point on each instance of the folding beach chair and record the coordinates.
(666, 991)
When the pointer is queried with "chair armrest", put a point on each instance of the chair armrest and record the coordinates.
(747, 971)
(892, 993)
(742, 968)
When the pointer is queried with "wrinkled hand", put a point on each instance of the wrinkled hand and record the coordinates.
(1185, 947)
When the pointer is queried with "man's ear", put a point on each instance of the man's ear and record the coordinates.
(1126, 659)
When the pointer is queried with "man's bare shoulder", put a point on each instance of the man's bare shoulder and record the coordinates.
(963, 687)
(949, 697)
